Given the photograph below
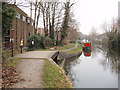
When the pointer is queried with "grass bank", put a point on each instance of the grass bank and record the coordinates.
(68, 46)
(54, 76)
(78, 49)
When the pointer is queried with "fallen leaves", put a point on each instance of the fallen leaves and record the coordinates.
(9, 76)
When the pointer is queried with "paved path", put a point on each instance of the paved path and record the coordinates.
(31, 69)
(37, 54)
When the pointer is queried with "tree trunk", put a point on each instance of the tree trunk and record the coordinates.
(38, 18)
(35, 15)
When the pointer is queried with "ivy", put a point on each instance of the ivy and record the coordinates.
(8, 14)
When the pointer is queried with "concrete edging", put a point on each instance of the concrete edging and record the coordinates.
(65, 55)
(69, 55)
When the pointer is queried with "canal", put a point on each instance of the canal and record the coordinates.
(98, 70)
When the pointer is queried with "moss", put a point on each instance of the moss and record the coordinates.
(54, 77)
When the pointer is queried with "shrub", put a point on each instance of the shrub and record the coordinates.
(38, 42)
(48, 42)
(59, 43)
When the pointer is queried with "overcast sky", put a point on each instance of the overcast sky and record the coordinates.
(93, 13)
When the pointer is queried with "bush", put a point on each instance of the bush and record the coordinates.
(48, 42)
(59, 43)
(38, 42)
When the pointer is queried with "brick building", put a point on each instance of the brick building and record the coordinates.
(21, 29)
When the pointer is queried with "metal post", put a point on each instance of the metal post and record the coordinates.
(12, 47)
(12, 40)
(20, 49)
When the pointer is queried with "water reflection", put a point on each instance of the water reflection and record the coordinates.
(111, 60)
(99, 70)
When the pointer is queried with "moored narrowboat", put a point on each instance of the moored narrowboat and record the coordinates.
(87, 46)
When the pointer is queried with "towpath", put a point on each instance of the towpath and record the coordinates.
(30, 69)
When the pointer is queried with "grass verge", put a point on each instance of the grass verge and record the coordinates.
(60, 47)
(78, 49)
(66, 46)
(12, 61)
(54, 77)
(7, 60)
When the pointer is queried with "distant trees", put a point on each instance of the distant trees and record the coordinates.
(112, 34)
(93, 35)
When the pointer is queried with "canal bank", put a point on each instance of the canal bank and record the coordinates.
(58, 58)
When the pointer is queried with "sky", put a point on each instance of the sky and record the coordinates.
(92, 13)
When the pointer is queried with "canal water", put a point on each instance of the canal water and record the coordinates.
(98, 70)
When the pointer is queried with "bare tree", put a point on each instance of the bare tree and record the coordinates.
(20, 3)
(50, 15)
(35, 15)
(38, 16)
(58, 25)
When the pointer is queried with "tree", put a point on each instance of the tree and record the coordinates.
(20, 3)
(58, 26)
(65, 24)
(112, 33)
(8, 14)
(73, 31)
(50, 13)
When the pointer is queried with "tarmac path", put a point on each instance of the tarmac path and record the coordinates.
(30, 69)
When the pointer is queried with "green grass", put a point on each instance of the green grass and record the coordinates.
(68, 46)
(12, 61)
(54, 76)
(7, 60)
(78, 49)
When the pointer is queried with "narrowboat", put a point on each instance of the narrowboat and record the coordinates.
(87, 47)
